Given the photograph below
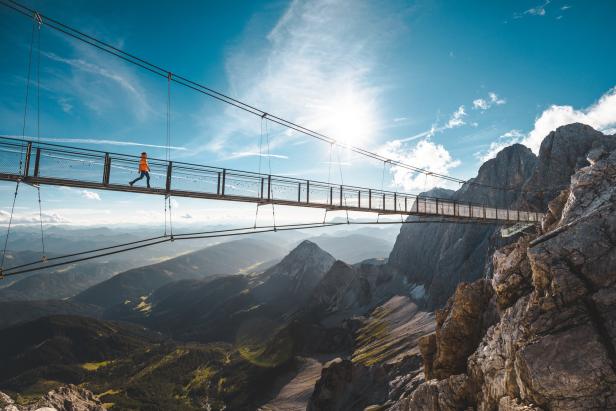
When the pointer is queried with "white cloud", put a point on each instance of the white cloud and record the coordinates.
(95, 141)
(565, 7)
(242, 154)
(538, 10)
(601, 116)
(480, 104)
(187, 216)
(90, 195)
(425, 154)
(457, 118)
(32, 218)
(492, 100)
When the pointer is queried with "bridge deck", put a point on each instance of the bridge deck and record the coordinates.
(50, 164)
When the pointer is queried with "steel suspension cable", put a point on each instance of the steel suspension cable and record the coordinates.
(21, 154)
(39, 22)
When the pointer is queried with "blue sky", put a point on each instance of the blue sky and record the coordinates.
(439, 84)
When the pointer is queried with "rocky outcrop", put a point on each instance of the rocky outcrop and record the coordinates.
(341, 293)
(65, 398)
(553, 346)
(459, 328)
(347, 386)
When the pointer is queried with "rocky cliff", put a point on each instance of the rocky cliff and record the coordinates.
(437, 257)
(65, 398)
(542, 333)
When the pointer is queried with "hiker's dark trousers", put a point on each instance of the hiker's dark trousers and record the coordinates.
(143, 174)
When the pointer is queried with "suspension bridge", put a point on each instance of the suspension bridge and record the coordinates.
(58, 165)
(39, 164)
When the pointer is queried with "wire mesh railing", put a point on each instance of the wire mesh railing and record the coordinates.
(63, 165)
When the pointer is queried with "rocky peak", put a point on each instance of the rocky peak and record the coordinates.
(307, 259)
(562, 152)
(290, 282)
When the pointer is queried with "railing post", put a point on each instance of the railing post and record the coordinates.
(395, 202)
(169, 171)
(437, 206)
(37, 161)
(383, 201)
(358, 198)
(307, 191)
(222, 185)
(406, 204)
(269, 187)
(370, 199)
(27, 159)
(456, 208)
(417, 204)
(299, 192)
(218, 184)
(341, 196)
(484, 211)
(262, 184)
(470, 210)
(106, 169)
(518, 211)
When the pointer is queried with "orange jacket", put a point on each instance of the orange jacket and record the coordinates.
(143, 164)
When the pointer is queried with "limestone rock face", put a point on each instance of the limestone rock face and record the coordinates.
(459, 328)
(439, 256)
(65, 398)
(553, 345)
(347, 386)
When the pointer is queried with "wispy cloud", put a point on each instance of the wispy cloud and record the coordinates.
(505, 140)
(314, 67)
(90, 195)
(485, 103)
(538, 10)
(103, 85)
(455, 120)
(242, 154)
(96, 141)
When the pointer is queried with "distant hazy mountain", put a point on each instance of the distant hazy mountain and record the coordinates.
(15, 312)
(226, 258)
(353, 248)
(60, 283)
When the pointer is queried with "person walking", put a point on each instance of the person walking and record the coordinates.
(144, 170)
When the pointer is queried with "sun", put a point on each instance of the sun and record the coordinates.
(350, 118)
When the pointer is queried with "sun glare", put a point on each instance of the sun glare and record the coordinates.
(349, 118)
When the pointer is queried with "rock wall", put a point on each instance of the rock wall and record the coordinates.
(440, 256)
(553, 344)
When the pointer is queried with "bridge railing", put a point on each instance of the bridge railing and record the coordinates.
(57, 164)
